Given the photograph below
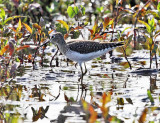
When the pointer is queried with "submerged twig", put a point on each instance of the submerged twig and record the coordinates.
(35, 54)
(156, 60)
(126, 58)
(53, 57)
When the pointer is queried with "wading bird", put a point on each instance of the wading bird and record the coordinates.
(82, 51)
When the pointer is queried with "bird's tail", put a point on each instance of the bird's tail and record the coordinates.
(115, 44)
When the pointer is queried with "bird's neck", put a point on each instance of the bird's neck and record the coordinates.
(62, 46)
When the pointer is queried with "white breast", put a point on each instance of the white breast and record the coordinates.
(78, 57)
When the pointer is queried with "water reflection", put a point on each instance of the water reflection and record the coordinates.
(54, 94)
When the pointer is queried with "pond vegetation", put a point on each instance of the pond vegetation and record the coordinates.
(39, 84)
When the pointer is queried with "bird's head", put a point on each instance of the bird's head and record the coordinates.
(57, 38)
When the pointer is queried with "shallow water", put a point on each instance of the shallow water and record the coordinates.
(42, 90)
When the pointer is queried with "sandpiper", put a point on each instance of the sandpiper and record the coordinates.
(82, 51)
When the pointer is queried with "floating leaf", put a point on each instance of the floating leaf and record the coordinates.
(85, 105)
(19, 26)
(105, 76)
(28, 28)
(70, 12)
(4, 49)
(142, 62)
(64, 24)
(120, 101)
(22, 47)
(142, 118)
(36, 116)
(129, 100)
(125, 64)
(106, 98)
(93, 115)
(66, 98)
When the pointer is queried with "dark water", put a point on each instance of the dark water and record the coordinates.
(38, 95)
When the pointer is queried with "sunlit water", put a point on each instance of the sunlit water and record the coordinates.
(46, 86)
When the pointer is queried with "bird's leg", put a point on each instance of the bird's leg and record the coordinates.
(75, 65)
(85, 69)
(81, 78)
(82, 73)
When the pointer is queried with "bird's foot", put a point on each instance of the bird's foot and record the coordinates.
(82, 85)
(80, 79)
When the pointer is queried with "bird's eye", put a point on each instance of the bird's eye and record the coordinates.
(53, 36)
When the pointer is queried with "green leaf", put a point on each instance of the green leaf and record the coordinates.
(125, 30)
(155, 14)
(83, 10)
(151, 22)
(17, 59)
(107, 11)
(100, 9)
(70, 12)
(147, 26)
(76, 9)
(158, 7)
(150, 96)
(2, 14)
(10, 18)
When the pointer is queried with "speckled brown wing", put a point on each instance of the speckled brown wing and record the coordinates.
(85, 47)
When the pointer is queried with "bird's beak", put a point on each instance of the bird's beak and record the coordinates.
(45, 43)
